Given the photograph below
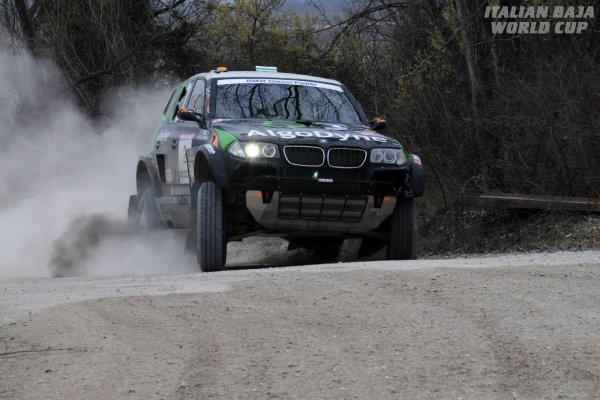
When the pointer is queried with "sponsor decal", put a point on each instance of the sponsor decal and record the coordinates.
(163, 135)
(207, 100)
(210, 148)
(269, 81)
(187, 136)
(317, 134)
(530, 19)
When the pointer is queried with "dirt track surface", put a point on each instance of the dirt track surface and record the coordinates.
(515, 326)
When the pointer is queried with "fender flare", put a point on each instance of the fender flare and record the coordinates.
(417, 176)
(209, 166)
(147, 175)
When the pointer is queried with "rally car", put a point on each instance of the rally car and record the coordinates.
(247, 153)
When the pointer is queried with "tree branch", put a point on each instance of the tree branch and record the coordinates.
(26, 24)
(119, 61)
(167, 8)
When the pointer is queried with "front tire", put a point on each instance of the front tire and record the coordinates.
(211, 242)
(402, 238)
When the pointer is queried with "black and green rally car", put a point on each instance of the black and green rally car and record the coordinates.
(248, 153)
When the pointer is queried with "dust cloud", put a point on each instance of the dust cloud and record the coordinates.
(65, 180)
(81, 239)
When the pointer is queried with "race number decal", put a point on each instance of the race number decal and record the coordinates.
(185, 142)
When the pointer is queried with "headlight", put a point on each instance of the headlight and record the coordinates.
(253, 150)
(269, 150)
(387, 156)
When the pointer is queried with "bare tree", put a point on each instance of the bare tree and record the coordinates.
(102, 43)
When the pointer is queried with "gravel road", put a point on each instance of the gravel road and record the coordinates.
(508, 326)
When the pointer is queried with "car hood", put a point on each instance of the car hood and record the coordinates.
(284, 132)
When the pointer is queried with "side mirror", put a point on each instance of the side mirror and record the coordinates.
(378, 124)
(189, 114)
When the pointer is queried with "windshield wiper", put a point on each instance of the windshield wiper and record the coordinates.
(305, 122)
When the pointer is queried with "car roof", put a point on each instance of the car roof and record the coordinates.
(265, 75)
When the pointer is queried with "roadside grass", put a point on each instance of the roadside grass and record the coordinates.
(462, 231)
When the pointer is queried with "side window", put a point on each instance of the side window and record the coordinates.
(180, 97)
(169, 103)
(197, 97)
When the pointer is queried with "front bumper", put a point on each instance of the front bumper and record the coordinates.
(279, 176)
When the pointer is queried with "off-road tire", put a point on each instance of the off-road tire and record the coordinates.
(211, 245)
(402, 239)
(147, 218)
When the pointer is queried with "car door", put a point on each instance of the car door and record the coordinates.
(191, 134)
(175, 137)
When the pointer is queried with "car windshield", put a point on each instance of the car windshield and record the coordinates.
(283, 99)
